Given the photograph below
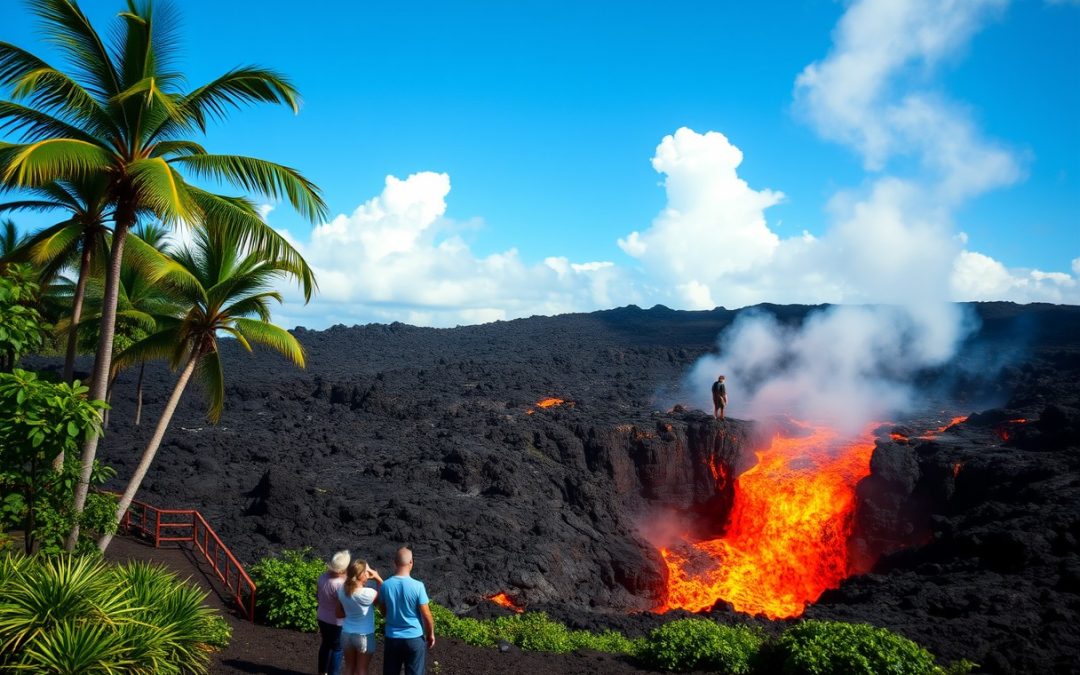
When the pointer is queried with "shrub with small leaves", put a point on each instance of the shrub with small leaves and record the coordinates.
(827, 647)
(217, 633)
(700, 644)
(287, 586)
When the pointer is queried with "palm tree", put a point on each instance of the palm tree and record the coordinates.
(228, 290)
(121, 113)
(81, 235)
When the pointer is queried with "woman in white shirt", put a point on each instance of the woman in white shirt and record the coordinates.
(356, 603)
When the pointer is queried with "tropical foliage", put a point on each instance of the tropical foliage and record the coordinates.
(78, 615)
(22, 330)
(80, 236)
(40, 420)
(119, 114)
(286, 583)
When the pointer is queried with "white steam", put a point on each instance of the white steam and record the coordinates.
(891, 251)
(844, 366)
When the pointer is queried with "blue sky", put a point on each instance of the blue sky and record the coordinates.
(543, 119)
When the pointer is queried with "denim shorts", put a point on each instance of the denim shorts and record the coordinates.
(361, 642)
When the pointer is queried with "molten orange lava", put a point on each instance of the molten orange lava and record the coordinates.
(550, 402)
(787, 537)
(952, 423)
(503, 600)
(898, 437)
(956, 468)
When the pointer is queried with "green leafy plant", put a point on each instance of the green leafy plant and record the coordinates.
(22, 330)
(826, 647)
(41, 423)
(68, 615)
(287, 583)
(700, 644)
(217, 632)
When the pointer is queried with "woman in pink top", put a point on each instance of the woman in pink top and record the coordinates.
(329, 625)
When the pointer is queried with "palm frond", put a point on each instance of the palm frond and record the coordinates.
(34, 125)
(30, 205)
(55, 242)
(164, 344)
(148, 43)
(70, 29)
(176, 149)
(238, 216)
(212, 377)
(233, 90)
(32, 164)
(253, 305)
(48, 89)
(157, 267)
(146, 95)
(274, 337)
(258, 175)
(162, 189)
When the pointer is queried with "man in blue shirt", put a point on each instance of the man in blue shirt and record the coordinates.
(410, 628)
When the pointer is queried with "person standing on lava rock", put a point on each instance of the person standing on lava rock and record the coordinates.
(719, 397)
(329, 624)
(410, 628)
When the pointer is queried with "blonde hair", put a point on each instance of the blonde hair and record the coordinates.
(338, 562)
(352, 577)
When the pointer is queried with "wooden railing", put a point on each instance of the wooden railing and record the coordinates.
(183, 525)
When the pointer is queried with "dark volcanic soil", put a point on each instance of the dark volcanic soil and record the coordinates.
(396, 434)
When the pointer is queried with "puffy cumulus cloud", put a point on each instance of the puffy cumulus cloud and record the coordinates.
(714, 223)
(979, 277)
(397, 258)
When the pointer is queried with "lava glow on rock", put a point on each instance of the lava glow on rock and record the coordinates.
(503, 600)
(787, 535)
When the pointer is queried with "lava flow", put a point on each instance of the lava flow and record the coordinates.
(787, 536)
(547, 403)
(503, 600)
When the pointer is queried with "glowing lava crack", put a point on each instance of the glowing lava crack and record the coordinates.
(787, 535)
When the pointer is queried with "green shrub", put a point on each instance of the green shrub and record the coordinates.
(217, 633)
(826, 647)
(693, 644)
(287, 585)
(39, 421)
(80, 615)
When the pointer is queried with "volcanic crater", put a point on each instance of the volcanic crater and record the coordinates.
(545, 462)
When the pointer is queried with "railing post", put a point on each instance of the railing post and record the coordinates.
(157, 528)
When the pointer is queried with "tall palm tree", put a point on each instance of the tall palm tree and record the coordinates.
(228, 290)
(81, 235)
(121, 113)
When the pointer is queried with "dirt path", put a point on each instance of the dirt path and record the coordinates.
(272, 651)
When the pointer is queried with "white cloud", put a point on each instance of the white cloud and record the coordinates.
(714, 223)
(979, 277)
(396, 258)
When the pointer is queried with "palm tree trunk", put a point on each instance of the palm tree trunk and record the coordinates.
(108, 399)
(138, 395)
(76, 309)
(152, 446)
(99, 383)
